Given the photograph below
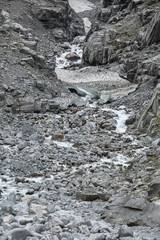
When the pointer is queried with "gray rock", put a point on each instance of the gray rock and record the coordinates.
(20, 234)
(156, 143)
(77, 102)
(133, 212)
(54, 18)
(91, 195)
(95, 50)
(152, 34)
(12, 197)
(154, 188)
(72, 56)
(125, 231)
(98, 236)
(49, 237)
(105, 99)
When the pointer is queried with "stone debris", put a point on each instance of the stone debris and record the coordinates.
(78, 167)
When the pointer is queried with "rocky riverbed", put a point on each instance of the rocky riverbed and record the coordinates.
(79, 174)
(80, 169)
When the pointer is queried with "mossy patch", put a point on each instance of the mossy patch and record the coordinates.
(130, 27)
(154, 160)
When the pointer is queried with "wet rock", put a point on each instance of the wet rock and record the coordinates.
(131, 120)
(72, 56)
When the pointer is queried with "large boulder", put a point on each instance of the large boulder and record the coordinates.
(96, 50)
(132, 211)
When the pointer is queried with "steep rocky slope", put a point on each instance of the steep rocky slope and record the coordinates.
(29, 34)
(126, 35)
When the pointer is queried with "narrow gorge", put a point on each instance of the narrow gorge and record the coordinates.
(79, 120)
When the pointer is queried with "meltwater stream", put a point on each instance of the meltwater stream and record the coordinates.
(121, 118)
(63, 62)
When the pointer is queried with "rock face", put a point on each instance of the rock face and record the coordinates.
(28, 38)
(126, 33)
(152, 34)
(150, 117)
(59, 17)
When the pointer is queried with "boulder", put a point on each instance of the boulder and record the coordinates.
(20, 234)
(92, 195)
(77, 102)
(125, 231)
(154, 188)
(96, 50)
(57, 136)
(132, 211)
(72, 56)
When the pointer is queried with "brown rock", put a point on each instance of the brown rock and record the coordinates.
(57, 136)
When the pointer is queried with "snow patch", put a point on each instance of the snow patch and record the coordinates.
(87, 24)
(81, 5)
(63, 144)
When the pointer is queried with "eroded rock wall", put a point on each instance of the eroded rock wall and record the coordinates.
(126, 33)
(29, 35)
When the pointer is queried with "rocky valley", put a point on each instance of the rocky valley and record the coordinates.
(79, 120)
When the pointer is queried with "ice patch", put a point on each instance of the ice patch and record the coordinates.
(86, 92)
